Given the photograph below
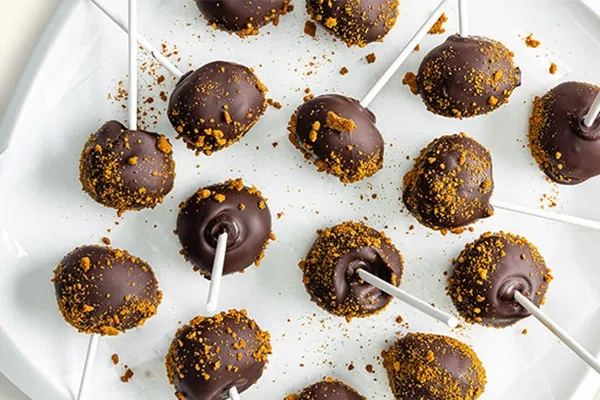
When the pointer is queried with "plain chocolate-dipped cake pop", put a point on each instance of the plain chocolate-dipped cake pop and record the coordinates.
(328, 389)
(243, 17)
(125, 169)
(356, 23)
(565, 149)
(467, 76)
(451, 183)
(487, 274)
(330, 269)
(211, 355)
(340, 134)
(105, 291)
(229, 207)
(216, 105)
(433, 367)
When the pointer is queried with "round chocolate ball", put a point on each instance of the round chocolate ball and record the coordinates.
(340, 135)
(330, 269)
(451, 183)
(565, 149)
(125, 169)
(210, 355)
(329, 389)
(467, 76)
(216, 105)
(487, 274)
(357, 23)
(243, 17)
(229, 207)
(105, 291)
(433, 367)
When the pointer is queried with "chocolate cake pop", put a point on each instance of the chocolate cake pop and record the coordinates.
(105, 291)
(433, 367)
(210, 355)
(357, 23)
(216, 105)
(487, 274)
(565, 149)
(340, 134)
(240, 211)
(329, 269)
(450, 184)
(126, 170)
(467, 76)
(243, 17)
(328, 389)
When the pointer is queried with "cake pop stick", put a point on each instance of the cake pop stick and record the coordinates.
(409, 299)
(557, 331)
(233, 394)
(90, 357)
(406, 51)
(463, 17)
(217, 273)
(591, 116)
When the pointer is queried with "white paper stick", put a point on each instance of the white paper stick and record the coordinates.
(216, 275)
(463, 16)
(556, 330)
(417, 303)
(153, 51)
(552, 216)
(406, 51)
(90, 358)
(133, 89)
(233, 394)
(591, 116)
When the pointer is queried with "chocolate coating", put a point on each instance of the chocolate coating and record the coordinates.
(451, 183)
(330, 389)
(211, 355)
(216, 105)
(226, 207)
(433, 367)
(487, 274)
(341, 135)
(565, 149)
(329, 269)
(357, 23)
(466, 77)
(104, 290)
(126, 170)
(243, 17)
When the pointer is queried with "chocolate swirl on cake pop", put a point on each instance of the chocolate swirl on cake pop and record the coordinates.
(451, 183)
(105, 291)
(467, 76)
(216, 105)
(357, 23)
(126, 170)
(229, 207)
(565, 149)
(433, 367)
(243, 17)
(328, 389)
(341, 134)
(211, 355)
(487, 274)
(330, 269)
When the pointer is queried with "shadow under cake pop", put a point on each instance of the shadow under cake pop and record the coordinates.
(329, 389)
(566, 150)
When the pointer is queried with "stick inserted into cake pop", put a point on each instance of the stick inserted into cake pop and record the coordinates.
(592, 115)
(233, 394)
(216, 275)
(463, 18)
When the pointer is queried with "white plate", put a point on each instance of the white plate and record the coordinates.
(44, 214)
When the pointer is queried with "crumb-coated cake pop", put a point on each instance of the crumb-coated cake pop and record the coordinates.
(467, 76)
(327, 389)
(340, 135)
(433, 367)
(210, 355)
(125, 169)
(243, 17)
(229, 207)
(566, 150)
(104, 290)
(216, 105)
(487, 274)
(356, 23)
(451, 183)
(330, 269)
